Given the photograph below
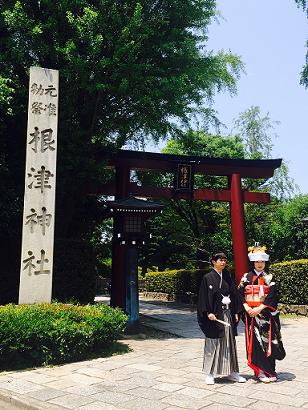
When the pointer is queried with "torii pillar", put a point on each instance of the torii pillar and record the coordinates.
(238, 228)
(118, 280)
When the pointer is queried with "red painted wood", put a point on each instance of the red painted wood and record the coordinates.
(122, 182)
(118, 279)
(256, 197)
(198, 194)
(221, 195)
(238, 228)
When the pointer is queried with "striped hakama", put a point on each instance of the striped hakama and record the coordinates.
(220, 357)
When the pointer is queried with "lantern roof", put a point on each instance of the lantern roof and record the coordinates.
(133, 204)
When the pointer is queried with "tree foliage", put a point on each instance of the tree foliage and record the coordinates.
(304, 75)
(280, 226)
(257, 133)
(126, 66)
(288, 235)
(128, 70)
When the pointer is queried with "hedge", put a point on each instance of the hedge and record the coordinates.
(292, 281)
(174, 281)
(55, 333)
(291, 278)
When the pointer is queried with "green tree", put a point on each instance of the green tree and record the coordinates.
(128, 70)
(304, 75)
(257, 133)
(281, 228)
(126, 67)
(288, 235)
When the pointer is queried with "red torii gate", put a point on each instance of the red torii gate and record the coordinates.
(234, 169)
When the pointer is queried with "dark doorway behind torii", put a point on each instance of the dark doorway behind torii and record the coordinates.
(125, 161)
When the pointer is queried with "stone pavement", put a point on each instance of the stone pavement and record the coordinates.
(163, 373)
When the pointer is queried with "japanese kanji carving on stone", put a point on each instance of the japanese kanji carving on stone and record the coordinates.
(29, 266)
(43, 220)
(38, 89)
(40, 181)
(42, 140)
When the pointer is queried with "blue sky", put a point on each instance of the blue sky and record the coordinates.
(270, 37)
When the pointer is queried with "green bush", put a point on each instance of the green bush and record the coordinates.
(174, 281)
(292, 281)
(56, 333)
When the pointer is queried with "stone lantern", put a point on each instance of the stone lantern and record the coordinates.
(129, 216)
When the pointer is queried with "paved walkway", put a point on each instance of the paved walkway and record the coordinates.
(162, 374)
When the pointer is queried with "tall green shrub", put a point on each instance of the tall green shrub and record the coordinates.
(174, 281)
(292, 281)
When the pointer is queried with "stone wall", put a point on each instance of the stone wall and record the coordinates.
(301, 310)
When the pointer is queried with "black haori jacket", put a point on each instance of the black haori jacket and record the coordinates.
(210, 301)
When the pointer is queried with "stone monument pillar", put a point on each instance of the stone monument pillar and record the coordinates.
(40, 187)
